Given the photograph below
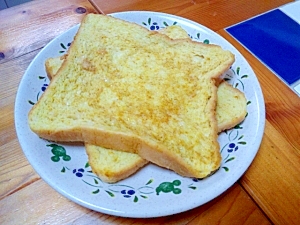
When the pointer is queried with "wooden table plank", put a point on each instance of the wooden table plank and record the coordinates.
(39, 24)
(38, 203)
(271, 184)
(273, 179)
(15, 170)
(232, 209)
(28, 206)
(16, 173)
(219, 211)
(214, 14)
(277, 162)
(11, 74)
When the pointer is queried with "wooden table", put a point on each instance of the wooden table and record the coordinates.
(268, 193)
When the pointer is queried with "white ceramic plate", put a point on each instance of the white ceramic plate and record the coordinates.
(153, 191)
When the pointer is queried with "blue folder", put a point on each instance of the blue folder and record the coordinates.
(275, 39)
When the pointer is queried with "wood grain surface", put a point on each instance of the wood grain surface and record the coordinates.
(215, 15)
(277, 162)
(39, 24)
(269, 191)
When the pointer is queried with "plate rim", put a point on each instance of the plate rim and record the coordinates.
(259, 98)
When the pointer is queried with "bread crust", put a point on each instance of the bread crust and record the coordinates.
(149, 151)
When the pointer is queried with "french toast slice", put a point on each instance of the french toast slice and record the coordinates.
(134, 90)
(112, 165)
(231, 106)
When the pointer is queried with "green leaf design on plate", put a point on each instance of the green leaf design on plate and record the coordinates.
(193, 187)
(238, 70)
(63, 46)
(96, 192)
(225, 168)
(230, 159)
(110, 193)
(149, 182)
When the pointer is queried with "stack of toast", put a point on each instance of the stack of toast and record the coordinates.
(134, 96)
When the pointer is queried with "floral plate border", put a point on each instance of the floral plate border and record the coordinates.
(152, 191)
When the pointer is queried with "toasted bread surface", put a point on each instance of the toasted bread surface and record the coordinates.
(231, 106)
(174, 32)
(111, 165)
(130, 89)
(231, 103)
(52, 65)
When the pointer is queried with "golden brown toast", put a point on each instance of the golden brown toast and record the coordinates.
(112, 165)
(130, 89)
